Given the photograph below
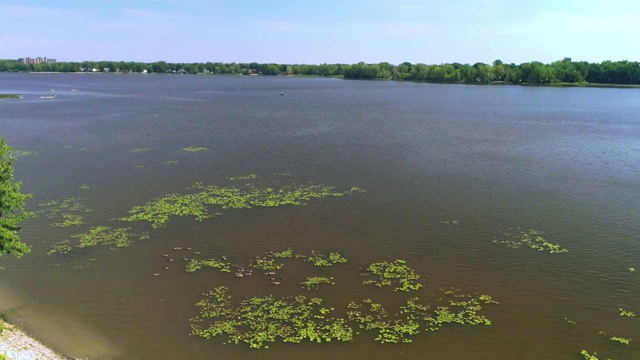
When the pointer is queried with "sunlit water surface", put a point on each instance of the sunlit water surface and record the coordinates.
(565, 161)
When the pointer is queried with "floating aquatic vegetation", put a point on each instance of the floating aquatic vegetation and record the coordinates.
(315, 281)
(621, 340)
(588, 356)
(85, 186)
(245, 177)
(258, 321)
(140, 150)
(282, 174)
(388, 273)
(80, 148)
(104, 235)
(21, 153)
(323, 260)
(66, 212)
(626, 313)
(283, 254)
(514, 238)
(632, 269)
(452, 222)
(170, 162)
(195, 149)
(69, 220)
(138, 166)
(570, 321)
(195, 204)
(9, 96)
(61, 247)
(195, 265)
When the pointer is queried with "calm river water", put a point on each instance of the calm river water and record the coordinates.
(565, 161)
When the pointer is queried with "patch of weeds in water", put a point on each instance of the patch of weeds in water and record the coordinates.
(283, 254)
(104, 235)
(632, 269)
(282, 174)
(85, 186)
(325, 260)
(21, 153)
(585, 354)
(9, 96)
(258, 321)
(387, 273)
(570, 321)
(315, 281)
(620, 340)
(452, 222)
(140, 150)
(514, 238)
(61, 247)
(195, 204)
(195, 149)
(69, 220)
(171, 162)
(66, 212)
(138, 166)
(195, 265)
(244, 177)
(626, 313)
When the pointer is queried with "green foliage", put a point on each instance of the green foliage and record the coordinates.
(632, 269)
(315, 281)
(195, 265)
(12, 212)
(283, 254)
(195, 204)
(621, 340)
(626, 313)
(99, 235)
(397, 271)
(322, 260)
(588, 356)
(514, 238)
(9, 96)
(258, 321)
(66, 212)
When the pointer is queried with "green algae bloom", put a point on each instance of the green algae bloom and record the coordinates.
(396, 272)
(515, 238)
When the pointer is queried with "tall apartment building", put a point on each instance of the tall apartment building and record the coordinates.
(38, 60)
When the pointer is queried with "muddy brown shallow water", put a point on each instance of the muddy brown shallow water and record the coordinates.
(562, 161)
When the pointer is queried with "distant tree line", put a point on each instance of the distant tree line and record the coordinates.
(562, 71)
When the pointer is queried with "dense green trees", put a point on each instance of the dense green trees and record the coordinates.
(12, 211)
(562, 71)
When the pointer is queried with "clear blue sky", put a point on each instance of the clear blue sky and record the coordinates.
(328, 31)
